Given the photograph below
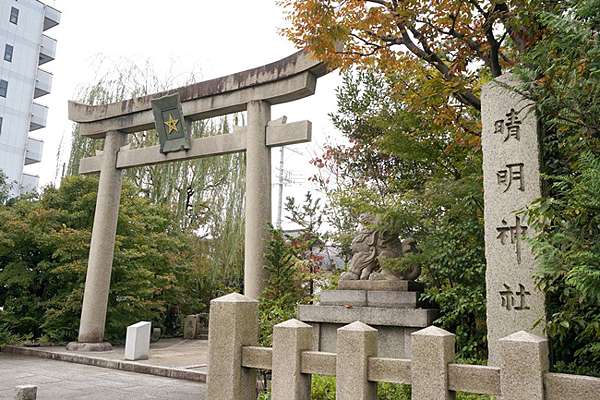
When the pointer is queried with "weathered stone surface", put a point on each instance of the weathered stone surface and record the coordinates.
(58, 380)
(511, 181)
(137, 341)
(102, 246)
(393, 370)
(290, 339)
(403, 317)
(190, 326)
(372, 247)
(370, 298)
(26, 392)
(394, 299)
(433, 350)
(356, 298)
(380, 285)
(277, 135)
(523, 363)
(171, 363)
(318, 362)
(258, 197)
(289, 89)
(77, 346)
(356, 342)
(290, 66)
(233, 324)
(474, 379)
(257, 357)
(564, 386)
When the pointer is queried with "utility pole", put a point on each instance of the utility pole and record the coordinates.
(280, 183)
(283, 179)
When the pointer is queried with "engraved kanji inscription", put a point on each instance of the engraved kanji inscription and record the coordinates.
(517, 232)
(511, 127)
(511, 300)
(512, 173)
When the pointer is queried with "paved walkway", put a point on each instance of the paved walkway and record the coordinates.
(171, 353)
(57, 380)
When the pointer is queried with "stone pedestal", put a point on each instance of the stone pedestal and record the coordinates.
(391, 307)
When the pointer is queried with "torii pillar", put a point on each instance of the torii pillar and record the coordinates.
(258, 196)
(102, 247)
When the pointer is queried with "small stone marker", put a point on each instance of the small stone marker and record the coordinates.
(137, 344)
(27, 392)
(190, 326)
(511, 173)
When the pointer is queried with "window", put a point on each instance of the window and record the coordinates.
(3, 87)
(14, 15)
(8, 53)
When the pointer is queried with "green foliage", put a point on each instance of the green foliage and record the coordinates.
(322, 387)
(568, 252)
(426, 184)
(44, 246)
(4, 188)
(309, 242)
(562, 75)
(283, 290)
(205, 196)
(390, 391)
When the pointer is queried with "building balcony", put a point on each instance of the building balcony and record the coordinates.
(47, 50)
(29, 183)
(39, 115)
(43, 83)
(33, 151)
(51, 17)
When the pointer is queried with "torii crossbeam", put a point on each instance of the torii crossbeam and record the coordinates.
(254, 91)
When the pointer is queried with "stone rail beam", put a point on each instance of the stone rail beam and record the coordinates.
(277, 135)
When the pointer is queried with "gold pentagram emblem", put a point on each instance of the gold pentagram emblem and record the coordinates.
(171, 124)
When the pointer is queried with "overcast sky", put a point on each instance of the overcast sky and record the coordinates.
(212, 38)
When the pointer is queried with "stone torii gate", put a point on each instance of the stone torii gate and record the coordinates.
(254, 91)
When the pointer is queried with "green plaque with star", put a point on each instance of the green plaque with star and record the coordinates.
(173, 133)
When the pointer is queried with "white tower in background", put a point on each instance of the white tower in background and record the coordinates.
(23, 49)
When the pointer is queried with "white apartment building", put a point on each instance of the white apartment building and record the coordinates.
(24, 48)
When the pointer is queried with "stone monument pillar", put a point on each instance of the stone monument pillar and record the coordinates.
(102, 246)
(511, 172)
(258, 196)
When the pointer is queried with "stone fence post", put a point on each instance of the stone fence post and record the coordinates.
(290, 339)
(356, 342)
(432, 351)
(233, 323)
(524, 361)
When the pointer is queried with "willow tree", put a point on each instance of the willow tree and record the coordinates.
(205, 195)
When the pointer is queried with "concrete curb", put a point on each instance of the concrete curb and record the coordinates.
(175, 373)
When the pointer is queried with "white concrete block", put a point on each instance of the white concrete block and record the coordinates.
(137, 343)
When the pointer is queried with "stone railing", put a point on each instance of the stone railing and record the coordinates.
(234, 358)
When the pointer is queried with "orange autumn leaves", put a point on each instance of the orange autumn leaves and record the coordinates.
(438, 52)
